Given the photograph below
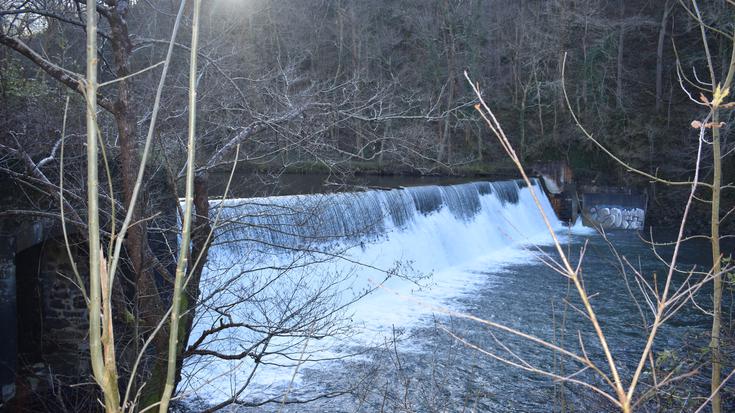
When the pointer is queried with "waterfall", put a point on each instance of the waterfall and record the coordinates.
(272, 256)
(287, 223)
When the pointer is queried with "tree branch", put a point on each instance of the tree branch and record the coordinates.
(254, 128)
(73, 81)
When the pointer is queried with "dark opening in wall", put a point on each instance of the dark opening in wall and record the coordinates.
(29, 307)
(52, 324)
(29, 328)
(8, 341)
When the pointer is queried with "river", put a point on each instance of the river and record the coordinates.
(478, 249)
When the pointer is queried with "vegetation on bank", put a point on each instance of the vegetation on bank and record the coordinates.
(498, 170)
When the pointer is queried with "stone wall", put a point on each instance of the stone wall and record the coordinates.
(52, 323)
(65, 348)
(43, 314)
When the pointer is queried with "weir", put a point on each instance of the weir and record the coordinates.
(317, 254)
(432, 226)
(299, 221)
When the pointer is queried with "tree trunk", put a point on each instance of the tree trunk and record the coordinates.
(538, 103)
(449, 46)
(660, 57)
(522, 123)
(125, 119)
(621, 48)
(149, 304)
(444, 140)
(100, 334)
(716, 268)
(200, 243)
(340, 42)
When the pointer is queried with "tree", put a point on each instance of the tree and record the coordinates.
(139, 312)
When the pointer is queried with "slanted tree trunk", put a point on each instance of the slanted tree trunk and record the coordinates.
(444, 146)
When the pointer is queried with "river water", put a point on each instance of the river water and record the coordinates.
(430, 255)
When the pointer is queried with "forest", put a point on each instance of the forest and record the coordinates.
(262, 169)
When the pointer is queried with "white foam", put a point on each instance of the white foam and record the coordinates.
(580, 229)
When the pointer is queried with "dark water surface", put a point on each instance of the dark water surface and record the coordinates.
(427, 370)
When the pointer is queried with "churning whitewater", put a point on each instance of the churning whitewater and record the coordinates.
(347, 267)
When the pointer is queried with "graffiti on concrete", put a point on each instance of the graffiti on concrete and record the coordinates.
(618, 217)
